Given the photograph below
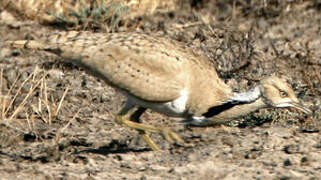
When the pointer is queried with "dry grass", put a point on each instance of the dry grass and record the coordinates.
(85, 13)
(18, 107)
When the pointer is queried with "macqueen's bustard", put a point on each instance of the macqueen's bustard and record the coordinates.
(163, 75)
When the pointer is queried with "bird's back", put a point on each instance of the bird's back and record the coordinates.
(150, 67)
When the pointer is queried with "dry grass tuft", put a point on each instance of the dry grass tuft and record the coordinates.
(85, 13)
(19, 107)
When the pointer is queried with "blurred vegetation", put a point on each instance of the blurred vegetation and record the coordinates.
(84, 14)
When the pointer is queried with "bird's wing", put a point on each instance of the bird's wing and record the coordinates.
(146, 67)
(149, 75)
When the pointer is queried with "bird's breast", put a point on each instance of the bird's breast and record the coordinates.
(175, 108)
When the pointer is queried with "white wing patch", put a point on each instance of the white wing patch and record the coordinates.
(176, 108)
(179, 104)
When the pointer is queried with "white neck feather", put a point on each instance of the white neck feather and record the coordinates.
(246, 97)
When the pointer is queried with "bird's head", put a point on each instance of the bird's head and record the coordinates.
(277, 93)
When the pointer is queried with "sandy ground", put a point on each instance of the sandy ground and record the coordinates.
(82, 141)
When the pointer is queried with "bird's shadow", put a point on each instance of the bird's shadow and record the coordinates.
(114, 147)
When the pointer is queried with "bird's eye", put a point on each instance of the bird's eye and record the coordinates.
(283, 94)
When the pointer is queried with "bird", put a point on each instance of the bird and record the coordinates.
(156, 72)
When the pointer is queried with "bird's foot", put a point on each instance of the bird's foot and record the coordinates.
(170, 136)
(149, 141)
(167, 133)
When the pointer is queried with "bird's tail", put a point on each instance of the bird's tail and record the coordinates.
(37, 45)
(31, 44)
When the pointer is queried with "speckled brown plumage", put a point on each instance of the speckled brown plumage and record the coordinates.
(152, 68)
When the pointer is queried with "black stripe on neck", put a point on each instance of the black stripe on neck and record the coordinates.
(215, 110)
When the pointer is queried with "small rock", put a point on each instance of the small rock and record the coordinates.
(291, 149)
(304, 161)
(55, 73)
(226, 140)
(309, 129)
(5, 52)
(287, 162)
(7, 18)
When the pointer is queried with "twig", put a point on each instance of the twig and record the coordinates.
(25, 99)
(5, 123)
(61, 100)
(15, 96)
(67, 125)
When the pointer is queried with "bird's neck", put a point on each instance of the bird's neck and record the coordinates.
(239, 105)
(243, 109)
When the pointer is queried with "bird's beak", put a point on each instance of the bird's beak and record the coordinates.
(297, 105)
(301, 107)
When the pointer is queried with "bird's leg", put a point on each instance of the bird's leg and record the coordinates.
(134, 120)
(166, 132)
(135, 117)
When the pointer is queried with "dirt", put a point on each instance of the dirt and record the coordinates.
(246, 41)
